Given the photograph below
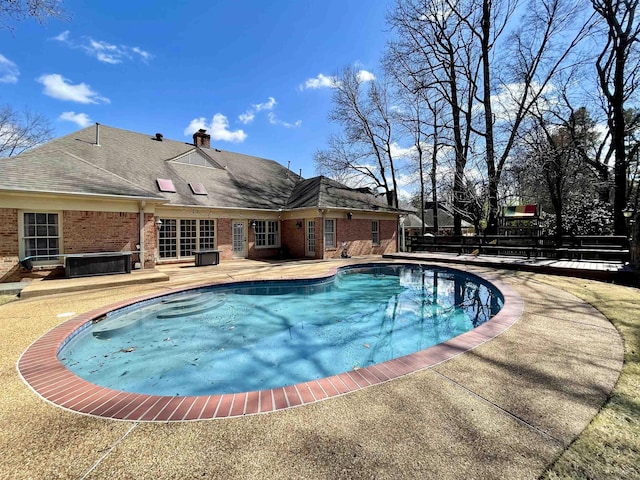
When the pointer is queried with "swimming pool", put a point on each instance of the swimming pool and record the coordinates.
(40, 368)
(257, 336)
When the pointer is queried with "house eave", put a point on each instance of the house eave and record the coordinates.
(158, 200)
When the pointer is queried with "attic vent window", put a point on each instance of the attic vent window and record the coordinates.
(166, 185)
(197, 188)
(194, 158)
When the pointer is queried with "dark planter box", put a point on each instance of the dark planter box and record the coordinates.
(88, 264)
(206, 257)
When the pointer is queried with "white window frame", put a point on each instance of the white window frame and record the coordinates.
(165, 222)
(22, 237)
(198, 240)
(206, 241)
(266, 233)
(329, 233)
(188, 237)
(375, 232)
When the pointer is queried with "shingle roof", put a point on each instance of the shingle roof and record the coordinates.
(128, 164)
(62, 172)
(322, 192)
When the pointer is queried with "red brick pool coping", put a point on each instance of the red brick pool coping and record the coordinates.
(50, 379)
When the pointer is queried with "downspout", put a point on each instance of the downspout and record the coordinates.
(141, 228)
(324, 247)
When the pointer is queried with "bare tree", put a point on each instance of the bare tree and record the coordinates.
(20, 131)
(365, 146)
(17, 10)
(438, 56)
(538, 47)
(618, 75)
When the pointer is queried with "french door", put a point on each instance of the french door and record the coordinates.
(239, 239)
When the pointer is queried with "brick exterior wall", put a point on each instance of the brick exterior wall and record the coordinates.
(293, 238)
(82, 232)
(224, 240)
(150, 240)
(85, 231)
(8, 242)
(99, 231)
(357, 234)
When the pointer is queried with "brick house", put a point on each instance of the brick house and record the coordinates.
(104, 189)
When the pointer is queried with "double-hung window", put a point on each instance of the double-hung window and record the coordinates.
(41, 235)
(375, 232)
(267, 234)
(329, 233)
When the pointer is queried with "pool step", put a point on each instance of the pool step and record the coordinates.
(107, 328)
(195, 307)
(183, 298)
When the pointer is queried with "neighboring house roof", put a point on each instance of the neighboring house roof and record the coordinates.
(445, 219)
(411, 221)
(129, 164)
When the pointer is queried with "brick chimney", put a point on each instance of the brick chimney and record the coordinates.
(202, 139)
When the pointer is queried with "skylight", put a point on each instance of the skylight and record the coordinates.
(165, 185)
(197, 188)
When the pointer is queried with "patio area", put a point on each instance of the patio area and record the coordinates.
(506, 409)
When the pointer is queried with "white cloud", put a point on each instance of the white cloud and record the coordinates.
(56, 86)
(364, 76)
(81, 119)
(268, 105)
(506, 102)
(218, 128)
(320, 81)
(250, 115)
(247, 117)
(274, 120)
(103, 51)
(403, 153)
(63, 37)
(9, 72)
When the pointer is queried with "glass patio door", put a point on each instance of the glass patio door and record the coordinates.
(310, 240)
(239, 239)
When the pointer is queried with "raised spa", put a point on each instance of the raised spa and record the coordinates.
(260, 335)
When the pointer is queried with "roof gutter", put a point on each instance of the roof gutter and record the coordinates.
(92, 195)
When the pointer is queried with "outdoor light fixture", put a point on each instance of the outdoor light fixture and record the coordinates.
(349, 216)
(298, 225)
(158, 223)
(253, 225)
(627, 212)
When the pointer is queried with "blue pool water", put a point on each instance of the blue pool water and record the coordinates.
(253, 336)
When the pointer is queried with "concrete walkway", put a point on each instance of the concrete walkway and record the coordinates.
(506, 409)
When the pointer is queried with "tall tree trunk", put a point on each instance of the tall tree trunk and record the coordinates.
(494, 179)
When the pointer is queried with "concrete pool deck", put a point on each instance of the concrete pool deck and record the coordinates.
(506, 409)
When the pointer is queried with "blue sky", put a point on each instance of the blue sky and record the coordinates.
(255, 73)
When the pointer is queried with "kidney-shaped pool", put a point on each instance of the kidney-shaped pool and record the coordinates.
(225, 340)
(266, 335)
